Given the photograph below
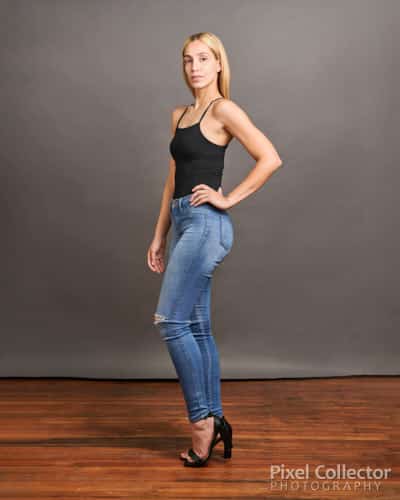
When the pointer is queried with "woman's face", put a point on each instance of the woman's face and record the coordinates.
(200, 65)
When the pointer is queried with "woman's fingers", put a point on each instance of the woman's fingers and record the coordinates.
(150, 261)
(155, 261)
(156, 264)
(158, 261)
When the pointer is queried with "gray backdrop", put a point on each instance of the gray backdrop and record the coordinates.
(87, 87)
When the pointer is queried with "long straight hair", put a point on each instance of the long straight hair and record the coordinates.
(217, 48)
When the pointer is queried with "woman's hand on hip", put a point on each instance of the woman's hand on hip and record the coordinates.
(206, 194)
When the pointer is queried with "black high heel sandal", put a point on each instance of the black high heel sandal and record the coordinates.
(225, 434)
(198, 461)
(226, 437)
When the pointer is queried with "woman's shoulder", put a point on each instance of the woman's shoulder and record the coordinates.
(227, 110)
(226, 104)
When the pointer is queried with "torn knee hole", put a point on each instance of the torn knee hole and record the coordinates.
(158, 318)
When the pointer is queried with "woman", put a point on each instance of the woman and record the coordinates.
(202, 233)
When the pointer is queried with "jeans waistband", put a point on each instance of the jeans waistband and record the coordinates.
(184, 203)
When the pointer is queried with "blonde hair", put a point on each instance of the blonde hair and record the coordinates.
(217, 48)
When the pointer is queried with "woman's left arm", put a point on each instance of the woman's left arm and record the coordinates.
(239, 125)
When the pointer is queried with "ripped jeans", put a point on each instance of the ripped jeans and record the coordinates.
(201, 238)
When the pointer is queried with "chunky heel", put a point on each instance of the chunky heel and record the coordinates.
(227, 452)
(226, 436)
(229, 429)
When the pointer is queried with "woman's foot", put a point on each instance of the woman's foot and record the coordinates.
(202, 435)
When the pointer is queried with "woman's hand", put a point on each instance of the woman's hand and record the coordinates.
(156, 255)
(206, 194)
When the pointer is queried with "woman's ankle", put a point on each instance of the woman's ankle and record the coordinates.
(202, 423)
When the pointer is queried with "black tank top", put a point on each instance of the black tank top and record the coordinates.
(197, 160)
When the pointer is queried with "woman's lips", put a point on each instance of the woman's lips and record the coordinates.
(196, 77)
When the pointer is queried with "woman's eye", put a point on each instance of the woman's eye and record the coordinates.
(201, 59)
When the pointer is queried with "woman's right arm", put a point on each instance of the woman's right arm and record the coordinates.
(164, 220)
(155, 254)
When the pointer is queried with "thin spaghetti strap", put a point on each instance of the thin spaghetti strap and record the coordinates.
(181, 116)
(205, 111)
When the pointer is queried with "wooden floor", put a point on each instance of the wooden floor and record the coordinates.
(95, 439)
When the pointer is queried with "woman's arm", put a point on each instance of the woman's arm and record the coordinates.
(164, 219)
(239, 125)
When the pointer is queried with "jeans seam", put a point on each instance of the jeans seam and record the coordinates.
(194, 378)
(207, 375)
(221, 239)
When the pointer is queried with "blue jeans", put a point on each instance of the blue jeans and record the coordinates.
(201, 238)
